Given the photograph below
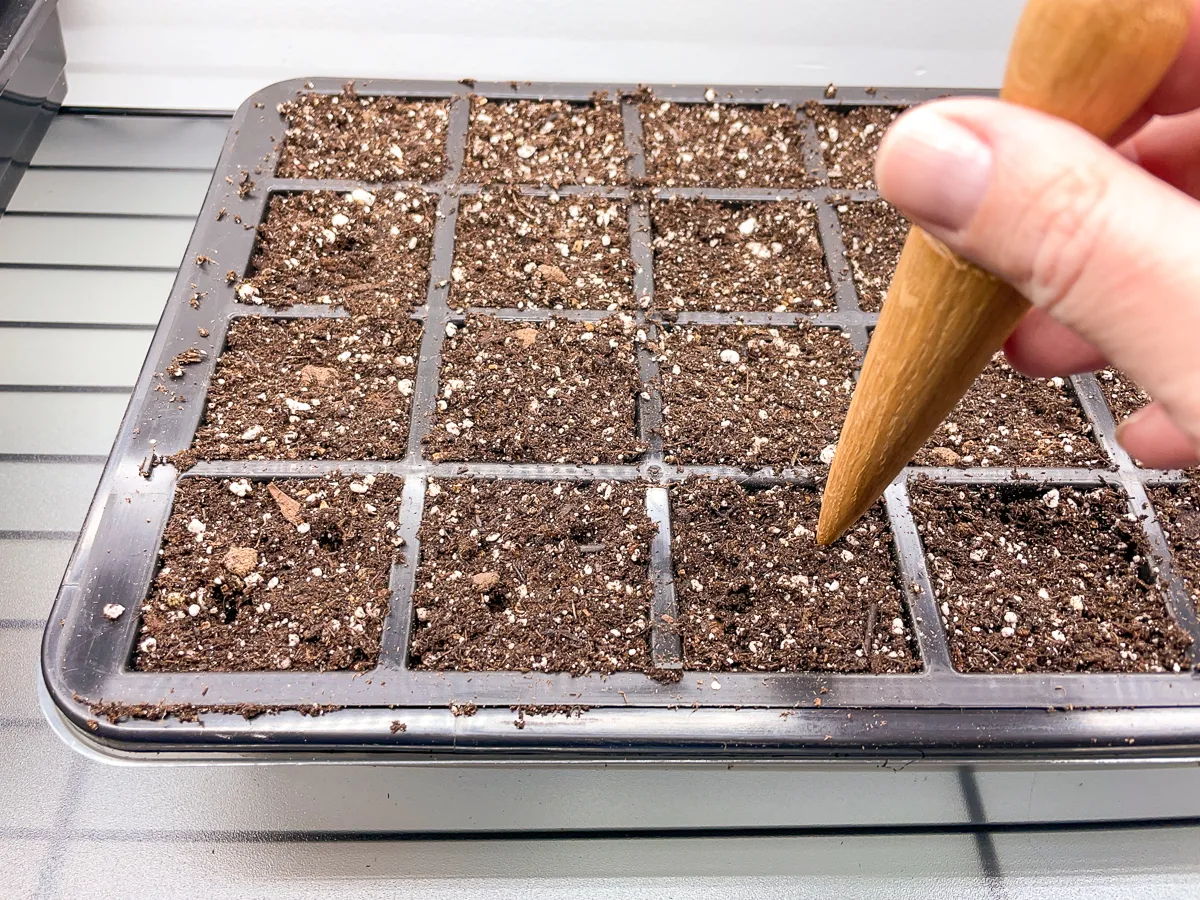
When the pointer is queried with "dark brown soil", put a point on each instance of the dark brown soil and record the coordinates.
(1045, 581)
(554, 142)
(1178, 509)
(777, 397)
(874, 235)
(310, 389)
(533, 576)
(1123, 396)
(563, 392)
(738, 257)
(757, 593)
(291, 575)
(542, 252)
(1007, 419)
(850, 140)
(364, 138)
(369, 254)
(722, 146)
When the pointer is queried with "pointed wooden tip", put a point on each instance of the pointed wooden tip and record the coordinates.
(831, 524)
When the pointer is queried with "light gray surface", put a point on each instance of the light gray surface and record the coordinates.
(71, 827)
(145, 53)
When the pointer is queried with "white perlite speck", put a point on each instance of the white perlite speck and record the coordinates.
(1010, 617)
(1050, 498)
(241, 487)
(748, 226)
(897, 626)
(339, 219)
(296, 406)
(252, 433)
(365, 197)
(113, 610)
(827, 454)
(197, 527)
(731, 356)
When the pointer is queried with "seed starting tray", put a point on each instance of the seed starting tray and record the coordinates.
(936, 711)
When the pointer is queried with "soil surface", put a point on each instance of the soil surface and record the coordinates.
(542, 252)
(290, 575)
(874, 235)
(533, 576)
(850, 140)
(551, 392)
(1007, 419)
(1123, 395)
(366, 251)
(757, 593)
(1038, 580)
(727, 256)
(719, 145)
(754, 396)
(1178, 509)
(553, 142)
(310, 389)
(364, 138)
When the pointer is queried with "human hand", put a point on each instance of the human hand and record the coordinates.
(1105, 243)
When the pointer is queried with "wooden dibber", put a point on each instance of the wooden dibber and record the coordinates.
(1092, 62)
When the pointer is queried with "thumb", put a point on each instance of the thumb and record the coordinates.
(1097, 243)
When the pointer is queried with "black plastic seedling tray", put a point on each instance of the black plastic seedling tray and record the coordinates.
(32, 84)
(936, 711)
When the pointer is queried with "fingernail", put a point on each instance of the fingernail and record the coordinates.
(935, 171)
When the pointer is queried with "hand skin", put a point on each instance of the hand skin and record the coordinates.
(1103, 241)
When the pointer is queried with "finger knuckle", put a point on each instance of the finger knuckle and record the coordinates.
(1067, 219)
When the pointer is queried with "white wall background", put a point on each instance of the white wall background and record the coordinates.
(211, 54)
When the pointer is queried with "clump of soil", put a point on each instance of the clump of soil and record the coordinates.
(310, 389)
(556, 391)
(1178, 509)
(757, 593)
(1123, 395)
(1045, 580)
(874, 235)
(552, 142)
(533, 576)
(725, 256)
(754, 396)
(286, 575)
(850, 141)
(722, 146)
(1007, 419)
(368, 252)
(542, 252)
(364, 138)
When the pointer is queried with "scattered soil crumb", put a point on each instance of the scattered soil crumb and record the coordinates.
(188, 357)
(726, 256)
(553, 142)
(850, 141)
(756, 592)
(365, 138)
(1007, 419)
(1045, 580)
(754, 396)
(556, 391)
(307, 597)
(533, 576)
(398, 727)
(874, 235)
(367, 252)
(463, 709)
(722, 146)
(309, 389)
(570, 710)
(116, 712)
(542, 252)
